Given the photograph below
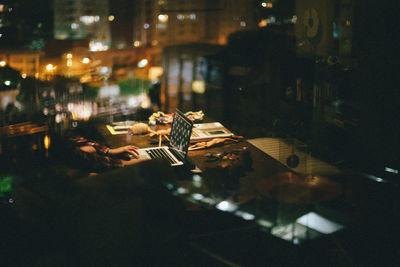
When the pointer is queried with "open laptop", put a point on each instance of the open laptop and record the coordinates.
(175, 153)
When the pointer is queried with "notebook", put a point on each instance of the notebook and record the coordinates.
(207, 131)
(120, 127)
(175, 153)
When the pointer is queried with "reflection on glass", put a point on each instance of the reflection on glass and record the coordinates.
(245, 215)
(197, 196)
(226, 206)
(317, 222)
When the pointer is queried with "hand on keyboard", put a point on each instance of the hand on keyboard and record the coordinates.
(127, 152)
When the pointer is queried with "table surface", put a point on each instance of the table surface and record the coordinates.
(289, 205)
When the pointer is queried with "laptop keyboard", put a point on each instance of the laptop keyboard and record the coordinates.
(160, 153)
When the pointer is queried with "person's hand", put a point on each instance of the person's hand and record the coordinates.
(130, 150)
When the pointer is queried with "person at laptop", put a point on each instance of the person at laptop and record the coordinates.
(95, 157)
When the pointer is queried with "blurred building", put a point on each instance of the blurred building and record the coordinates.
(25, 61)
(161, 23)
(25, 24)
(170, 22)
(121, 23)
(83, 19)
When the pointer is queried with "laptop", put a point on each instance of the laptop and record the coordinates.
(210, 130)
(176, 152)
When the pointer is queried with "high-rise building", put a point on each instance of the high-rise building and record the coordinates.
(121, 23)
(83, 19)
(171, 22)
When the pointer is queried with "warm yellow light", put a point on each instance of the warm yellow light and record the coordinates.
(266, 4)
(263, 23)
(136, 44)
(46, 142)
(23, 75)
(69, 62)
(155, 72)
(69, 55)
(199, 87)
(50, 67)
(3, 63)
(163, 18)
(85, 60)
(348, 23)
(111, 18)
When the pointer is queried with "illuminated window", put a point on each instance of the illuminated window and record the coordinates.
(89, 19)
(263, 23)
(267, 4)
(97, 46)
(163, 18)
(74, 26)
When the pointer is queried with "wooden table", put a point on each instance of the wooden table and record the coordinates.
(268, 193)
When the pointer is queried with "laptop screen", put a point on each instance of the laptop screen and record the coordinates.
(181, 131)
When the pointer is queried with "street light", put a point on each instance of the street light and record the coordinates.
(3, 63)
(143, 63)
(50, 67)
